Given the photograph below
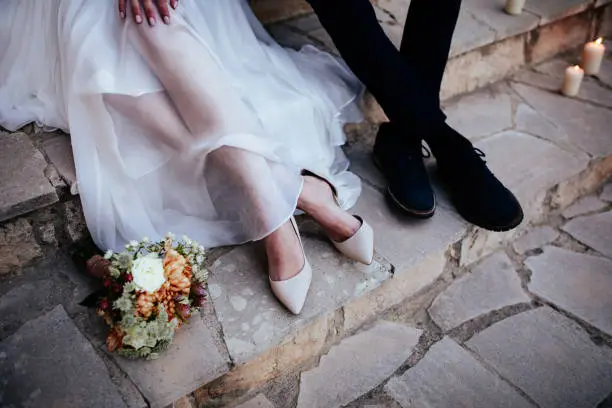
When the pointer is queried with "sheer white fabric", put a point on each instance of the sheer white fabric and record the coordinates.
(199, 128)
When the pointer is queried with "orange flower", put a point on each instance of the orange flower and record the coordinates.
(114, 340)
(177, 270)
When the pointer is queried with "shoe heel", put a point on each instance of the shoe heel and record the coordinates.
(359, 247)
(292, 293)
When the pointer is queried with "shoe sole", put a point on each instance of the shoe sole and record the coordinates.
(398, 204)
(504, 228)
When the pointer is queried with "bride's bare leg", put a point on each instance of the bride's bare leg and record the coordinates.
(196, 84)
(190, 73)
(156, 114)
(285, 256)
(249, 174)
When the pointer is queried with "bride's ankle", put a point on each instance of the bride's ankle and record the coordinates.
(317, 199)
(284, 253)
(316, 196)
(342, 227)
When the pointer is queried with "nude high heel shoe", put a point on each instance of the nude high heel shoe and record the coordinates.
(359, 247)
(292, 292)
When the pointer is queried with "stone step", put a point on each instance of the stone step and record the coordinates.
(549, 149)
(273, 11)
(488, 44)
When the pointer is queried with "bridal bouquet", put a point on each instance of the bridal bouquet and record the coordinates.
(150, 289)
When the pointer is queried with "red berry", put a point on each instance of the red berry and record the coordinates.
(106, 282)
(199, 301)
(183, 311)
(198, 290)
(117, 288)
(128, 277)
(104, 304)
(98, 266)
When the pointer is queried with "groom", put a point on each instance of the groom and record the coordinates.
(406, 83)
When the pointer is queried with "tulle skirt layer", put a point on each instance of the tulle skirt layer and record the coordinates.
(200, 128)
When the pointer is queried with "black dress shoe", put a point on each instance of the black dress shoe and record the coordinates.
(400, 159)
(474, 190)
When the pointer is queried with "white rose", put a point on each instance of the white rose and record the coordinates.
(148, 273)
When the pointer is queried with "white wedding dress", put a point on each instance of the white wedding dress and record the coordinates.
(199, 128)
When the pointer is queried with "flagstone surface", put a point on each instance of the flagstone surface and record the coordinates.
(524, 316)
(549, 357)
(48, 363)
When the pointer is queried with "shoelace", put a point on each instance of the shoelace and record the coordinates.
(480, 154)
(426, 153)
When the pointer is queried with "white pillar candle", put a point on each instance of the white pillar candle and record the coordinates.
(514, 7)
(571, 82)
(592, 56)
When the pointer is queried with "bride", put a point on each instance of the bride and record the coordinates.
(191, 120)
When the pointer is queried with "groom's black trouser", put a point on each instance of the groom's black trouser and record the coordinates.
(406, 83)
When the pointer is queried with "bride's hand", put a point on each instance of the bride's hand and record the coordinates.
(148, 9)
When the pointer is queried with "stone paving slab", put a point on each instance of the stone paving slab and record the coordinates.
(587, 125)
(193, 359)
(253, 320)
(511, 156)
(358, 364)
(276, 10)
(590, 91)
(471, 32)
(48, 363)
(490, 286)
(605, 75)
(532, 122)
(449, 376)
(404, 241)
(538, 80)
(394, 291)
(505, 25)
(27, 301)
(287, 37)
(59, 151)
(25, 187)
(473, 70)
(586, 205)
(534, 239)
(479, 24)
(577, 283)
(18, 245)
(606, 194)
(549, 357)
(39, 288)
(551, 10)
(259, 401)
(482, 113)
(553, 72)
(593, 231)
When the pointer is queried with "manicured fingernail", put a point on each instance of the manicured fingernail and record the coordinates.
(167, 19)
(173, 4)
(122, 14)
(151, 21)
(138, 19)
